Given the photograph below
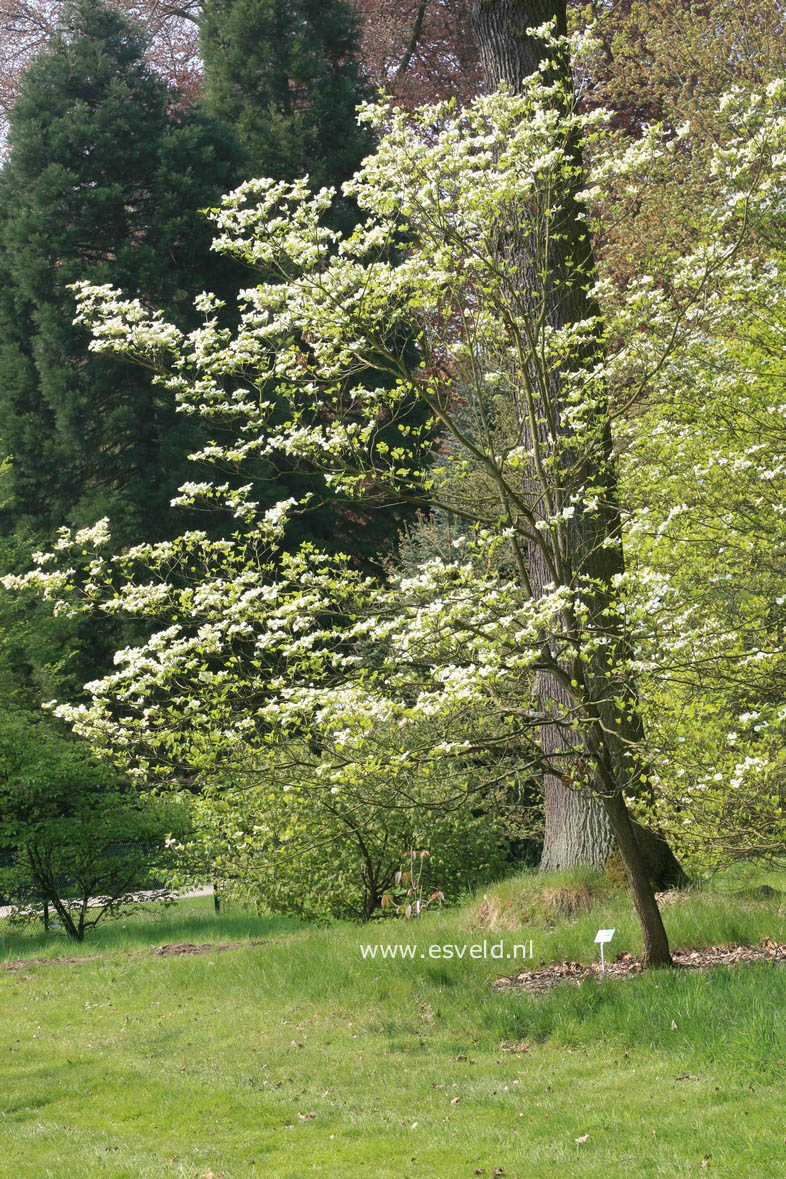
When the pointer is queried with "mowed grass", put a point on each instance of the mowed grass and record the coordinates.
(299, 1057)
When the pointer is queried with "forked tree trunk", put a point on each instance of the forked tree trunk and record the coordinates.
(579, 828)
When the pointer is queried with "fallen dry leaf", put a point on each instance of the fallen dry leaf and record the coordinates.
(584, 1138)
(627, 966)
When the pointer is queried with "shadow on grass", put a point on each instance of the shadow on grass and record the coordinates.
(193, 920)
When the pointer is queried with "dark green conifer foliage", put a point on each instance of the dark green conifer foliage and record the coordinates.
(104, 181)
(286, 75)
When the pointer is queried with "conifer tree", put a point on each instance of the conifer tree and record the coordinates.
(286, 75)
(105, 180)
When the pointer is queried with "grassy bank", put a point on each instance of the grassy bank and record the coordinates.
(298, 1056)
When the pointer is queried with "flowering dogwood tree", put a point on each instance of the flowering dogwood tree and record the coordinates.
(297, 664)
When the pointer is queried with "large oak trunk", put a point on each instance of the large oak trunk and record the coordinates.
(587, 769)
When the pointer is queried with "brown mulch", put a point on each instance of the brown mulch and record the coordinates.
(203, 948)
(625, 965)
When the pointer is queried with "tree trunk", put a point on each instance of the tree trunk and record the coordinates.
(602, 757)
(507, 54)
(655, 941)
(577, 828)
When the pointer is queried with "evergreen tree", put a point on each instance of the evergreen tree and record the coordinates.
(286, 75)
(104, 181)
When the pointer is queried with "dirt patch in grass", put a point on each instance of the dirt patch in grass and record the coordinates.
(186, 948)
(625, 965)
(181, 948)
(64, 960)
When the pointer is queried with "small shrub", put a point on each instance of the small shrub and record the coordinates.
(74, 837)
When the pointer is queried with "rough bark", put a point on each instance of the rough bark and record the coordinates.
(604, 754)
(577, 828)
(507, 54)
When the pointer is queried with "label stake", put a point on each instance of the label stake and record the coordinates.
(601, 938)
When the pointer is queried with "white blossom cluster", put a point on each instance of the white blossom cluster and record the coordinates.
(355, 354)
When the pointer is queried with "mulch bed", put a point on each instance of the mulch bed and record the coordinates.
(625, 965)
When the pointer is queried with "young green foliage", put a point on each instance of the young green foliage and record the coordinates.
(73, 837)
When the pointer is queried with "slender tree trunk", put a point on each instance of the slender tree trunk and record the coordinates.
(654, 938)
(371, 900)
(412, 45)
(603, 754)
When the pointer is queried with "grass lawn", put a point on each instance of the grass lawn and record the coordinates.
(298, 1057)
